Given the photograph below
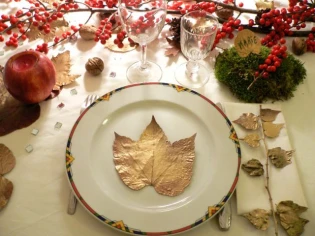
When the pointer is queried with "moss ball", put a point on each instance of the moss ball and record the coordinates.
(238, 73)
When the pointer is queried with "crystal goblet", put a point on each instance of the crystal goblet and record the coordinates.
(143, 21)
(197, 34)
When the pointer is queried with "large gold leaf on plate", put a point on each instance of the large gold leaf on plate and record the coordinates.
(153, 160)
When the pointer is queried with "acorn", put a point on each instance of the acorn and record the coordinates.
(299, 46)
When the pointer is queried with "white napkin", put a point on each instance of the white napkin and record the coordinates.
(284, 182)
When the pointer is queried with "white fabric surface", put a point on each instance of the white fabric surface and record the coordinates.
(284, 183)
(39, 201)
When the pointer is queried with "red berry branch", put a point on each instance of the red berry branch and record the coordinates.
(274, 23)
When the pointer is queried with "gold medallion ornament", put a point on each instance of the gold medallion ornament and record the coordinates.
(247, 42)
(153, 160)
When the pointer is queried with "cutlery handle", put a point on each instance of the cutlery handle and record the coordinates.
(72, 203)
(225, 217)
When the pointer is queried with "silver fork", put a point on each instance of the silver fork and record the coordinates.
(225, 215)
(72, 202)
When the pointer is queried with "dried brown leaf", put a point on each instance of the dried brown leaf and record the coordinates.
(173, 51)
(272, 130)
(6, 188)
(14, 114)
(252, 140)
(289, 217)
(259, 218)
(7, 159)
(268, 114)
(248, 121)
(152, 160)
(279, 157)
(253, 167)
(62, 66)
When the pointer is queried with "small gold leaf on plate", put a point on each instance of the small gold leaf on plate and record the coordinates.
(7, 159)
(248, 121)
(253, 167)
(6, 188)
(247, 42)
(289, 213)
(62, 66)
(268, 114)
(153, 160)
(252, 140)
(279, 157)
(259, 218)
(272, 130)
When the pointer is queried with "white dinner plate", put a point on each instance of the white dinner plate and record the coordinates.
(127, 111)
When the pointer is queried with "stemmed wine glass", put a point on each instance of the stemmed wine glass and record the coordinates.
(197, 34)
(143, 21)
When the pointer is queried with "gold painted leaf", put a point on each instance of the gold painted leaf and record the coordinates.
(272, 130)
(153, 160)
(289, 213)
(62, 66)
(279, 157)
(6, 188)
(264, 4)
(259, 218)
(253, 167)
(7, 159)
(268, 114)
(34, 33)
(248, 121)
(252, 140)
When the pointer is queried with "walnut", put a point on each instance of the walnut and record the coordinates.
(94, 66)
(87, 32)
(224, 13)
(299, 46)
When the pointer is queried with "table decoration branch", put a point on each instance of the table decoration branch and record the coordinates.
(260, 217)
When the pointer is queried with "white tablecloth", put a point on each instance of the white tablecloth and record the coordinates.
(38, 205)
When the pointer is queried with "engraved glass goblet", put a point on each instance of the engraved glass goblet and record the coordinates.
(143, 21)
(197, 34)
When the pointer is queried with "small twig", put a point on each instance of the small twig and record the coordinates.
(267, 177)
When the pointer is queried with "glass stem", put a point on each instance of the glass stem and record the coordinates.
(143, 65)
(192, 69)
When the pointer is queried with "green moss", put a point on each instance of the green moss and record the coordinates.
(238, 73)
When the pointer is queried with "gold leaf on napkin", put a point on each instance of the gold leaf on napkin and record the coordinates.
(268, 114)
(259, 218)
(253, 167)
(62, 66)
(6, 188)
(289, 217)
(272, 130)
(153, 160)
(7, 159)
(279, 157)
(252, 140)
(248, 121)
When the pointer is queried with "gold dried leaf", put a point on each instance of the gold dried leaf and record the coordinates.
(34, 33)
(247, 42)
(248, 121)
(173, 51)
(252, 140)
(264, 4)
(272, 130)
(253, 167)
(6, 188)
(62, 66)
(279, 157)
(114, 47)
(259, 218)
(153, 160)
(268, 114)
(7, 159)
(289, 217)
